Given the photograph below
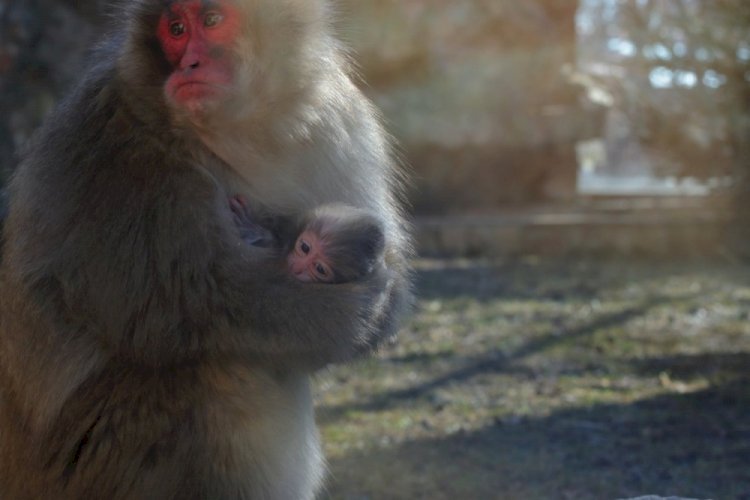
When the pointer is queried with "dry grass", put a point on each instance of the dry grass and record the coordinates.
(552, 379)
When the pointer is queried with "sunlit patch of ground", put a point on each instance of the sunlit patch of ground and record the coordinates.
(551, 379)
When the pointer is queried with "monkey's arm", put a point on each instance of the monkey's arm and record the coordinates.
(280, 317)
(303, 324)
(339, 320)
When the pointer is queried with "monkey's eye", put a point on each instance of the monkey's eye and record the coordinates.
(304, 247)
(212, 19)
(176, 29)
(321, 270)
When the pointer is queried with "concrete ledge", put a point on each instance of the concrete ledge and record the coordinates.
(561, 231)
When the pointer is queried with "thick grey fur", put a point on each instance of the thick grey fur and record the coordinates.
(146, 351)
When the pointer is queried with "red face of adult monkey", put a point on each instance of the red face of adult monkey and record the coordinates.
(197, 41)
(146, 351)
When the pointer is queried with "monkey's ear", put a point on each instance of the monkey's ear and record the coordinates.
(373, 241)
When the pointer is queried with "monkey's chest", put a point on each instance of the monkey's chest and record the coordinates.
(261, 435)
(224, 431)
(299, 182)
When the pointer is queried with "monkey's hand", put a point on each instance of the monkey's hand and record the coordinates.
(310, 325)
(251, 232)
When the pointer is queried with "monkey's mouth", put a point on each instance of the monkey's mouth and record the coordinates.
(198, 86)
(196, 90)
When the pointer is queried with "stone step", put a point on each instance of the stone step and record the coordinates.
(690, 231)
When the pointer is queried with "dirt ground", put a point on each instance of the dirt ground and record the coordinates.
(551, 379)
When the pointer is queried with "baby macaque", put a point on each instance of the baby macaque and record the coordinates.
(336, 244)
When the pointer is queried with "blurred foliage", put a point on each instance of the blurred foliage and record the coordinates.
(42, 45)
(679, 70)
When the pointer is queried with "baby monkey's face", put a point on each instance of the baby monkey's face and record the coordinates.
(308, 260)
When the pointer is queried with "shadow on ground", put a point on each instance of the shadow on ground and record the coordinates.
(463, 369)
(572, 279)
(553, 379)
(695, 445)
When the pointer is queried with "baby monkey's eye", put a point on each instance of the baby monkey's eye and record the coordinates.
(211, 19)
(304, 247)
(321, 269)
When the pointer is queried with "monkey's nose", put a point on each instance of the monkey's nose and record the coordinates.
(303, 276)
(297, 267)
(194, 54)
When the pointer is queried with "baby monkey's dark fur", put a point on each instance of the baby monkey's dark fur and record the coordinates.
(354, 240)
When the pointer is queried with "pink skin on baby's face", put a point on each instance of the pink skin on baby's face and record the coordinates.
(307, 261)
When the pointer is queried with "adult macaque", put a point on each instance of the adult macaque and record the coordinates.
(337, 243)
(147, 351)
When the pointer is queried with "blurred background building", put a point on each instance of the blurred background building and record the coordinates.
(507, 112)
